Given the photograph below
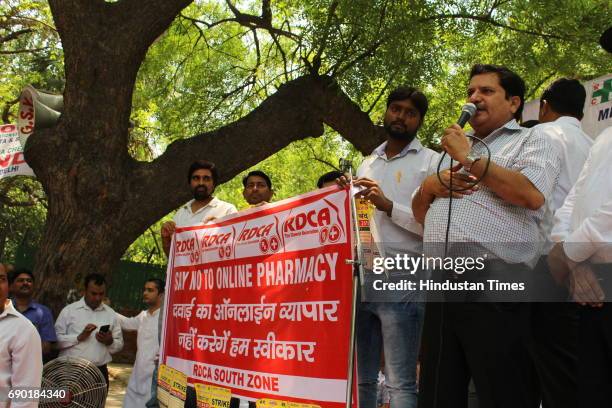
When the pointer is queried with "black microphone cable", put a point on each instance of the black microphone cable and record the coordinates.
(467, 112)
(450, 185)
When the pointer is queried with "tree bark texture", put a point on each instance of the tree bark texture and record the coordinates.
(100, 199)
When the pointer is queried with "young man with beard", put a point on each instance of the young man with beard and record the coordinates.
(202, 178)
(480, 334)
(21, 283)
(257, 188)
(146, 323)
(388, 177)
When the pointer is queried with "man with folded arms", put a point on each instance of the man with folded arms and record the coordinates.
(554, 321)
(582, 260)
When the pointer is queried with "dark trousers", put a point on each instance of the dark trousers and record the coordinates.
(554, 341)
(485, 341)
(554, 349)
(104, 370)
(595, 357)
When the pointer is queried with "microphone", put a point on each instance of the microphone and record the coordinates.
(467, 111)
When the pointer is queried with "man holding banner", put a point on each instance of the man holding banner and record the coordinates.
(202, 178)
(389, 176)
(257, 188)
(259, 304)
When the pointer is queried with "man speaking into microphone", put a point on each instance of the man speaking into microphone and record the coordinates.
(477, 336)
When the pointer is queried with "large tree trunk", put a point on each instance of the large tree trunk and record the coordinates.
(100, 199)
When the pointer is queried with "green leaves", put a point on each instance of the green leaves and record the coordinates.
(216, 63)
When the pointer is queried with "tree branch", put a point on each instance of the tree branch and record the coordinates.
(6, 111)
(283, 56)
(380, 94)
(489, 20)
(316, 61)
(368, 52)
(15, 35)
(275, 123)
(8, 202)
(29, 21)
(263, 22)
(314, 157)
(338, 69)
(22, 51)
(534, 88)
(196, 21)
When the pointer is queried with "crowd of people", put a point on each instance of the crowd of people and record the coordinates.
(89, 328)
(536, 199)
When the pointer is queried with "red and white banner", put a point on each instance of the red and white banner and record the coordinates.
(260, 302)
(12, 162)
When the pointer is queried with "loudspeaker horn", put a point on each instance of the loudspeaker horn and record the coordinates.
(37, 110)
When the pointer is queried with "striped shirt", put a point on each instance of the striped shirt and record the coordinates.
(485, 222)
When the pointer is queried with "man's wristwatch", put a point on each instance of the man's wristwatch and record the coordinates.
(469, 162)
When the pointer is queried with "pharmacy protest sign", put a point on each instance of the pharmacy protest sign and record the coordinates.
(12, 162)
(260, 302)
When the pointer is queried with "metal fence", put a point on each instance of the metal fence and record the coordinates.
(125, 283)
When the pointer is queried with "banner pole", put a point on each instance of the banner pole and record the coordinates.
(357, 277)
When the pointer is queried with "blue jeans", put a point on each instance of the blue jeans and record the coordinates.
(153, 403)
(396, 328)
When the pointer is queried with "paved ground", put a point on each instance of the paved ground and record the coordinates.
(119, 375)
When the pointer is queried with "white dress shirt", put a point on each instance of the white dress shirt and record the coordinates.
(139, 387)
(216, 208)
(20, 354)
(584, 222)
(71, 322)
(572, 145)
(398, 177)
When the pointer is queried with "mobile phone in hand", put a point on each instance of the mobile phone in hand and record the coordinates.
(105, 328)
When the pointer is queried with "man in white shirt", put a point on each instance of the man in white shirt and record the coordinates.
(88, 328)
(555, 321)
(202, 178)
(146, 323)
(582, 259)
(482, 335)
(20, 348)
(389, 176)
